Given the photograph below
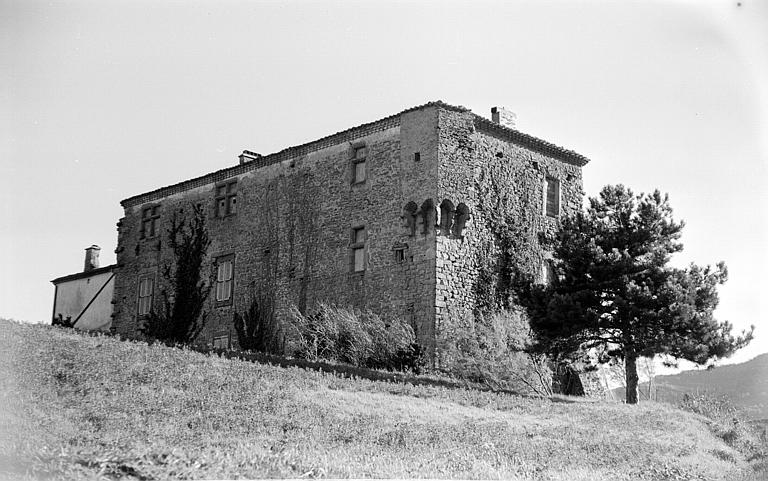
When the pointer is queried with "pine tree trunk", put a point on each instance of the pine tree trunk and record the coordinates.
(630, 364)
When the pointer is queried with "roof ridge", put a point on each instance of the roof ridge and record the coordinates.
(348, 135)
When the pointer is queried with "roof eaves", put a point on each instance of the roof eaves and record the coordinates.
(83, 275)
(535, 143)
(290, 152)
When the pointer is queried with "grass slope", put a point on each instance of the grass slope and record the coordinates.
(80, 407)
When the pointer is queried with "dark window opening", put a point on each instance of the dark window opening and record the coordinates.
(447, 211)
(226, 199)
(410, 214)
(149, 218)
(417, 157)
(460, 219)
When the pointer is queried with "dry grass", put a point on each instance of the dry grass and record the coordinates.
(79, 407)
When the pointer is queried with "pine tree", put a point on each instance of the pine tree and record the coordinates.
(614, 295)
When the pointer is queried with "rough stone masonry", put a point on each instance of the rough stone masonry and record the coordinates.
(393, 215)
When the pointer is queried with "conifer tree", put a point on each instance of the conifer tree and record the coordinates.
(613, 295)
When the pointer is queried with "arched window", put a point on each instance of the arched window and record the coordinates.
(447, 210)
(409, 215)
(428, 213)
(460, 219)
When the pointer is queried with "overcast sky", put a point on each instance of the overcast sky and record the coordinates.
(100, 101)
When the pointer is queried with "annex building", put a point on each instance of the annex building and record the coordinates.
(399, 215)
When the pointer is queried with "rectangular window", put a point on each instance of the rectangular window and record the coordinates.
(221, 341)
(358, 163)
(552, 197)
(149, 217)
(547, 274)
(358, 249)
(226, 199)
(146, 292)
(224, 278)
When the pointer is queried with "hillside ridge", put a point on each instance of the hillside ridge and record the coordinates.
(94, 407)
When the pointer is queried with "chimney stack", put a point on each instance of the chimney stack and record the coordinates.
(504, 117)
(248, 156)
(92, 258)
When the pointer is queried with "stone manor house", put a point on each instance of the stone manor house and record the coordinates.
(388, 215)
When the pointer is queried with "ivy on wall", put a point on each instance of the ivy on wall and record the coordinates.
(505, 207)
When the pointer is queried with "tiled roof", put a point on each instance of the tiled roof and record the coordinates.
(85, 274)
(481, 123)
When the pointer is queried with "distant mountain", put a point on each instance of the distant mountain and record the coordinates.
(746, 384)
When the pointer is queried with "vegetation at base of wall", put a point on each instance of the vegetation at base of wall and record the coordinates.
(258, 328)
(357, 337)
(184, 291)
(491, 350)
(728, 423)
(83, 407)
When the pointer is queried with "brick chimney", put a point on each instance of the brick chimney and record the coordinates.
(92, 258)
(504, 117)
(248, 156)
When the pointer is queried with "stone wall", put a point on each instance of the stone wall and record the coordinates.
(441, 185)
(291, 234)
(502, 184)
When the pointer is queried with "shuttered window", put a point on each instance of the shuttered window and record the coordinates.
(552, 197)
(358, 249)
(224, 278)
(146, 290)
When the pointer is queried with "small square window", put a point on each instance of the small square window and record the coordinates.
(417, 157)
(360, 153)
(400, 256)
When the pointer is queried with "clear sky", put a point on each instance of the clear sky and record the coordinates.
(100, 101)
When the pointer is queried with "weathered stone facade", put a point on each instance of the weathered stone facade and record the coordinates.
(423, 206)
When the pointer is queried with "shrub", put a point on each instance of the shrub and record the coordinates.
(492, 349)
(730, 425)
(360, 338)
(258, 329)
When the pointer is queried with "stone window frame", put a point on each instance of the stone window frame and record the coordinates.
(356, 245)
(225, 192)
(356, 159)
(222, 336)
(546, 271)
(218, 282)
(150, 278)
(150, 216)
(550, 181)
(398, 253)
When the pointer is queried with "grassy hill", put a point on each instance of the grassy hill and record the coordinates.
(745, 384)
(80, 407)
